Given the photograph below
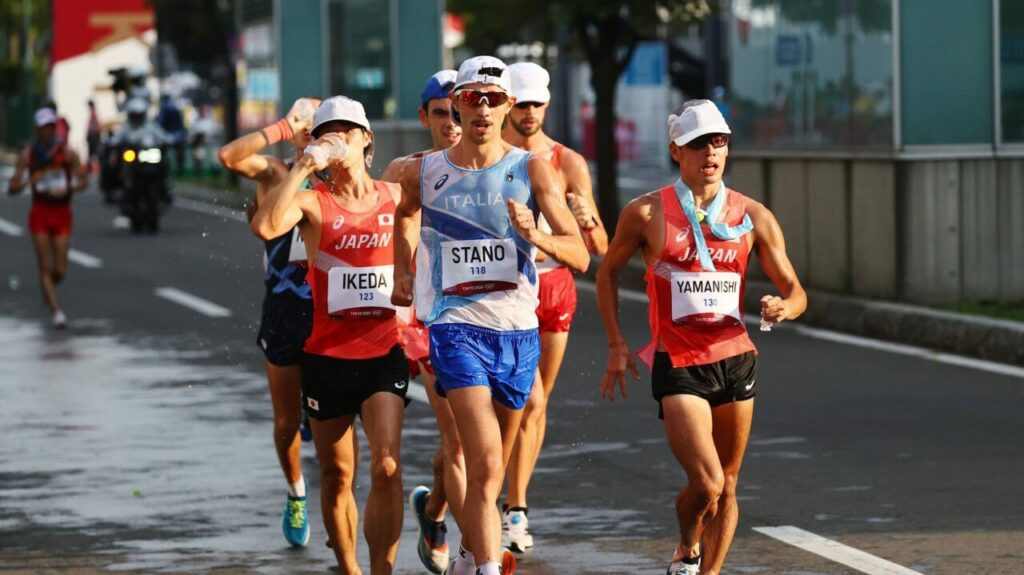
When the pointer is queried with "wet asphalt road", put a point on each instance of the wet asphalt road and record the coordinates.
(138, 441)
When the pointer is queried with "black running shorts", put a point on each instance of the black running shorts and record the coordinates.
(725, 381)
(284, 326)
(333, 387)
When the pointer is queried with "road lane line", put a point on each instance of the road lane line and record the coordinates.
(85, 260)
(857, 341)
(835, 551)
(9, 228)
(195, 303)
(417, 392)
(211, 210)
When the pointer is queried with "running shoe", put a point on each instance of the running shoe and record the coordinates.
(60, 321)
(432, 547)
(508, 562)
(305, 431)
(680, 568)
(296, 521)
(515, 532)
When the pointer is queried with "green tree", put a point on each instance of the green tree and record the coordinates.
(607, 33)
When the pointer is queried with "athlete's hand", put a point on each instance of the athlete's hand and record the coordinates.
(522, 219)
(401, 294)
(774, 309)
(619, 359)
(583, 210)
(300, 116)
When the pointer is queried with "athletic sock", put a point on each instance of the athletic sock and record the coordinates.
(489, 568)
(525, 510)
(297, 489)
(464, 563)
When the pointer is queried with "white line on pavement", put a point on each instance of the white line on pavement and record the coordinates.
(85, 260)
(835, 551)
(854, 340)
(417, 392)
(9, 228)
(208, 209)
(195, 303)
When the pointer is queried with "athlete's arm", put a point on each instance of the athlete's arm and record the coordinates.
(407, 232)
(579, 193)
(771, 251)
(629, 237)
(18, 180)
(564, 244)
(81, 177)
(281, 209)
(242, 155)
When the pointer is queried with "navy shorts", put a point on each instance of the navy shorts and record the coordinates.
(284, 326)
(464, 355)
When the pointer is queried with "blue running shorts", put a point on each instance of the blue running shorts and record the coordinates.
(465, 355)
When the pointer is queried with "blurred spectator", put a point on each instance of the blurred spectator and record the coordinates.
(92, 137)
(170, 119)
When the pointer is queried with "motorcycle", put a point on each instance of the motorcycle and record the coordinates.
(138, 167)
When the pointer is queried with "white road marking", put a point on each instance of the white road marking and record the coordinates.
(835, 551)
(858, 341)
(192, 302)
(85, 260)
(208, 209)
(417, 392)
(9, 228)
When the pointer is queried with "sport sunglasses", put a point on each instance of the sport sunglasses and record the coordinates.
(716, 141)
(476, 98)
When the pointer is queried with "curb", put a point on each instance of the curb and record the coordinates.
(962, 334)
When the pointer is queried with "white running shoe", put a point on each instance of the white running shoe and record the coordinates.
(515, 532)
(680, 568)
(60, 321)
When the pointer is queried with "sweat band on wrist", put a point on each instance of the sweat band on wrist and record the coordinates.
(278, 131)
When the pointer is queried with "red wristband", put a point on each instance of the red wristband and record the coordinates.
(278, 131)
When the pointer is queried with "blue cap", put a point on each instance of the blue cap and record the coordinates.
(438, 86)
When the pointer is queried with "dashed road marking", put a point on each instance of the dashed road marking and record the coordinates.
(85, 260)
(195, 303)
(835, 551)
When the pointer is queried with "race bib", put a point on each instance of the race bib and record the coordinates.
(297, 253)
(360, 293)
(478, 266)
(705, 299)
(53, 183)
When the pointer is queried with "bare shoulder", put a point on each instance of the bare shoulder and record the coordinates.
(409, 174)
(394, 170)
(643, 208)
(759, 213)
(395, 189)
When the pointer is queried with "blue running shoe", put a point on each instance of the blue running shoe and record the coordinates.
(305, 431)
(296, 521)
(432, 547)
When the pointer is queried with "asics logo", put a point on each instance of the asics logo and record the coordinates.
(682, 235)
(338, 222)
(563, 317)
(441, 182)
(750, 385)
(400, 384)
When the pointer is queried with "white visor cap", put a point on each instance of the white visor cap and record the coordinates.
(45, 116)
(530, 82)
(696, 120)
(340, 108)
(484, 70)
(136, 106)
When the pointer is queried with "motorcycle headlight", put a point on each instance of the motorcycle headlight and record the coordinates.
(128, 156)
(150, 156)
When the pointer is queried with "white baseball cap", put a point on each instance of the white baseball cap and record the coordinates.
(699, 117)
(530, 82)
(340, 108)
(45, 116)
(484, 70)
(343, 109)
(136, 106)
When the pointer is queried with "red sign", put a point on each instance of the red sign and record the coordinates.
(82, 26)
